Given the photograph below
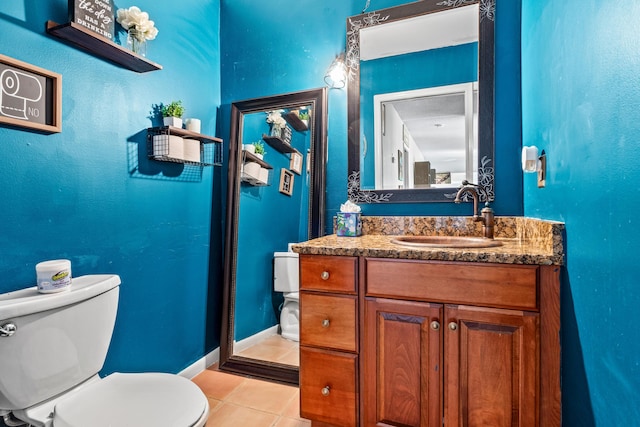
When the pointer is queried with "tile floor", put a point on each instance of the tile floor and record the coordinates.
(274, 349)
(239, 401)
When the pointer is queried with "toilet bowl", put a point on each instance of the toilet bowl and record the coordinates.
(286, 280)
(290, 316)
(73, 329)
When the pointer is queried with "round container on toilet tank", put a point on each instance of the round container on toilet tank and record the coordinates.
(53, 276)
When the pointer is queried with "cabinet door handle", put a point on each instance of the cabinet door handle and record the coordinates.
(326, 390)
(324, 275)
(453, 326)
(435, 325)
(325, 323)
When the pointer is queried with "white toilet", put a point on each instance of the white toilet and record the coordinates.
(286, 279)
(52, 347)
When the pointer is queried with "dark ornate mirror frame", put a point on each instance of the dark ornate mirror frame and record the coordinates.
(317, 99)
(486, 101)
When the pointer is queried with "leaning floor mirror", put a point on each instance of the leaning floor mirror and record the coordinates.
(275, 197)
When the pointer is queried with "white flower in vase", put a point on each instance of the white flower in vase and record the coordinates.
(139, 28)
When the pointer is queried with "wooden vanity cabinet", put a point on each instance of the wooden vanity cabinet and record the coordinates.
(451, 343)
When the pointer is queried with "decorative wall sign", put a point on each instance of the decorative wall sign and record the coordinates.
(30, 96)
(286, 182)
(295, 164)
(96, 16)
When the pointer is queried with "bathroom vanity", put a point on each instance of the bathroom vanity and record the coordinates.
(411, 336)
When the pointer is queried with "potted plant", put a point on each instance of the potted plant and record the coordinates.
(259, 149)
(172, 114)
(304, 117)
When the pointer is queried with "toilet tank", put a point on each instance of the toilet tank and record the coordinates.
(60, 340)
(286, 276)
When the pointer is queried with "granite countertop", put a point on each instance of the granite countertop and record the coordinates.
(524, 240)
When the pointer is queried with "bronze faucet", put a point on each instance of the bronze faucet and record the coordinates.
(486, 216)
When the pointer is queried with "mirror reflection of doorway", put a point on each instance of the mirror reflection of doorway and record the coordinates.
(430, 134)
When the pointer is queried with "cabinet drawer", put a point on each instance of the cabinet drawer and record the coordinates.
(328, 321)
(493, 285)
(328, 273)
(328, 386)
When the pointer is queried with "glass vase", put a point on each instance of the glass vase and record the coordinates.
(136, 42)
(276, 131)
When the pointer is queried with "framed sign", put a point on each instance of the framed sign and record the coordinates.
(295, 164)
(96, 16)
(30, 96)
(286, 182)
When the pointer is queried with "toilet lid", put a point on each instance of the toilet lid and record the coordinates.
(133, 400)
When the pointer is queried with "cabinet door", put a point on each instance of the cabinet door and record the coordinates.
(402, 365)
(491, 367)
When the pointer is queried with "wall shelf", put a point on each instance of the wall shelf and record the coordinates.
(100, 46)
(279, 144)
(210, 147)
(250, 157)
(295, 122)
(244, 177)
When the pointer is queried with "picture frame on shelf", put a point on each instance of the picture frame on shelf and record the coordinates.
(30, 96)
(286, 182)
(286, 135)
(295, 163)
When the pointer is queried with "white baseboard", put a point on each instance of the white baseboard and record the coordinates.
(214, 357)
(254, 339)
(200, 365)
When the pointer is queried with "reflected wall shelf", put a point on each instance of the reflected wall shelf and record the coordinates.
(244, 177)
(250, 157)
(279, 144)
(210, 147)
(294, 120)
(101, 46)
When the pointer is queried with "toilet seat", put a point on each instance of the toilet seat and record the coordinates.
(134, 400)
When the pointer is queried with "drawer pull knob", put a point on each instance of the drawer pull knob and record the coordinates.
(453, 326)
(435, 325)
(326, 390)
(325, 323)
(324, 275)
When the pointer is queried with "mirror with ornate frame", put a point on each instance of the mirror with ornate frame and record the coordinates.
(380, 28)
(262, 217)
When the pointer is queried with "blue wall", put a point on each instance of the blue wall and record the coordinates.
(90, 195)
(580, 104)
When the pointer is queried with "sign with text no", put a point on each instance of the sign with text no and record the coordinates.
(30, 96)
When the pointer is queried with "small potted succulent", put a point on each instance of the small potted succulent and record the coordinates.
(172, 114)
(259, 149)
(304, 117)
